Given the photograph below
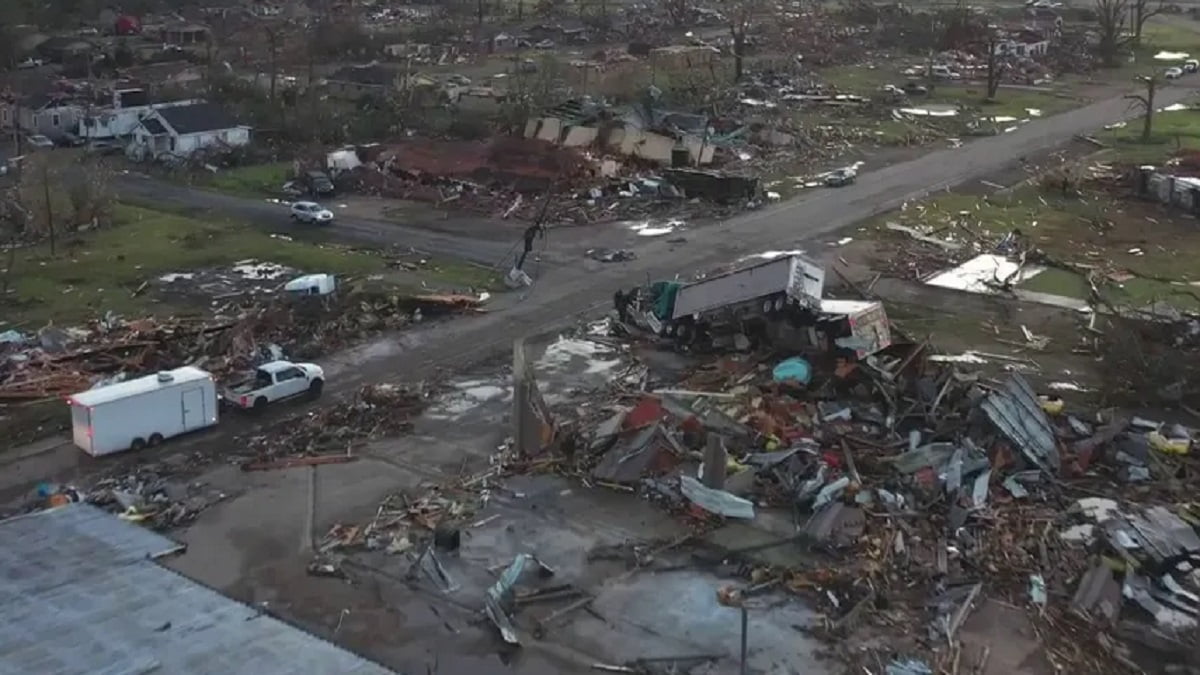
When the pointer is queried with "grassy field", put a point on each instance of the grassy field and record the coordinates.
(1124, 236)
(100, 271)
(250, 181)
(1171, 132)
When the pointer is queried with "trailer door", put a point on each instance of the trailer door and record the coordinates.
(193, 408)
(81, 427)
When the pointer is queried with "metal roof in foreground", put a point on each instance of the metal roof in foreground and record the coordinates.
(81, 592)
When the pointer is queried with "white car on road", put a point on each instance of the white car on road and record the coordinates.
(1174, 73)
(311, 212)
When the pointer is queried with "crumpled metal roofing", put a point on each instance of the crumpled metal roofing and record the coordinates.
(1017, 413)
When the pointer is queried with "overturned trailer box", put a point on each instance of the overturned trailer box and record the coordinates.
(767, 288)
(782, 292)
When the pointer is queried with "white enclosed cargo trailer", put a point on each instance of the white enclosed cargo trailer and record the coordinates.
(792, 278)
(145, 411)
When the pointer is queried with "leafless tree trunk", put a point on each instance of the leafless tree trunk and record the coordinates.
(1146, 103)
(677, 10)
(273, 45)
(993, 70)
(49, 210)
(1143, 10)
(739, 51)
(1111, 16)
(9, 263)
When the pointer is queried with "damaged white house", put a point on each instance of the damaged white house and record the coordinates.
(181, 130)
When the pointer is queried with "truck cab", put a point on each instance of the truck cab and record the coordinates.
(276, 381)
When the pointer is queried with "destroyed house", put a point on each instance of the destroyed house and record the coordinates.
(1023, 44)
(354, 82)
(122, 115)
(65, 48)
(51, 115)
(183, 34)
(184, 129)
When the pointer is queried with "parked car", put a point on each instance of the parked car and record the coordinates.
(275, 381)
(840, 177)
(318, 184)
(311, 212)
(944, 73)
(1173, 73)
(914, 89)
(104, 146)
(69, 140)
(39, 141)
(30, 62)
(1191, 66)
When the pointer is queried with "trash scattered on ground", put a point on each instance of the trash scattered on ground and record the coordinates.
(57, 362)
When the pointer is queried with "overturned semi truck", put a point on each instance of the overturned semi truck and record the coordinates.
(787, 289)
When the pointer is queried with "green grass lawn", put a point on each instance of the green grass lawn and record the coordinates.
(1158, 247)
(99, 271)
(1170, 132)
(250, 181)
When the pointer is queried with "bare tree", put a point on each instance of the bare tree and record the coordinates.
(1111, 16)
(273, 45)
(993, 68)
(10, 264)
(677, 10)
(49, 208)
(741, 15)
(1143, 10)
(1146, 103)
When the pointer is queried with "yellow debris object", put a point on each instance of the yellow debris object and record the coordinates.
(1053, 405)
(1170, 446)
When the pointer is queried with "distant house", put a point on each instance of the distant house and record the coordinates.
(183, 34)
(354, 82)
(122, 116)
(8, 110)
(66, 48)
(183, 129)
(1023, 44)
(53, 116)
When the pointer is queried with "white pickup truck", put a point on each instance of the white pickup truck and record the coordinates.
(275, 381)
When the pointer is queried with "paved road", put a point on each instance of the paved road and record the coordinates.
(274, 215)
(563, 293)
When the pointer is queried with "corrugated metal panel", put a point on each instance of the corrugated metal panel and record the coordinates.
(80, 593)
(1016, 412)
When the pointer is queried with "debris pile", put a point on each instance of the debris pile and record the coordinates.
(333, 431)
(156, 494)
(57, 362)
(934, 488)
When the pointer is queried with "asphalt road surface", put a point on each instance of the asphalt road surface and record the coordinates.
(275, 215)
(563, 293)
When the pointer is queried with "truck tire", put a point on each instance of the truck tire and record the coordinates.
(314, 388)
(138, 443)
(683, 332)
(260, 404)
(155, 439)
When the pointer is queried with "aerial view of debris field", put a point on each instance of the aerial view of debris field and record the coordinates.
(650, 337)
